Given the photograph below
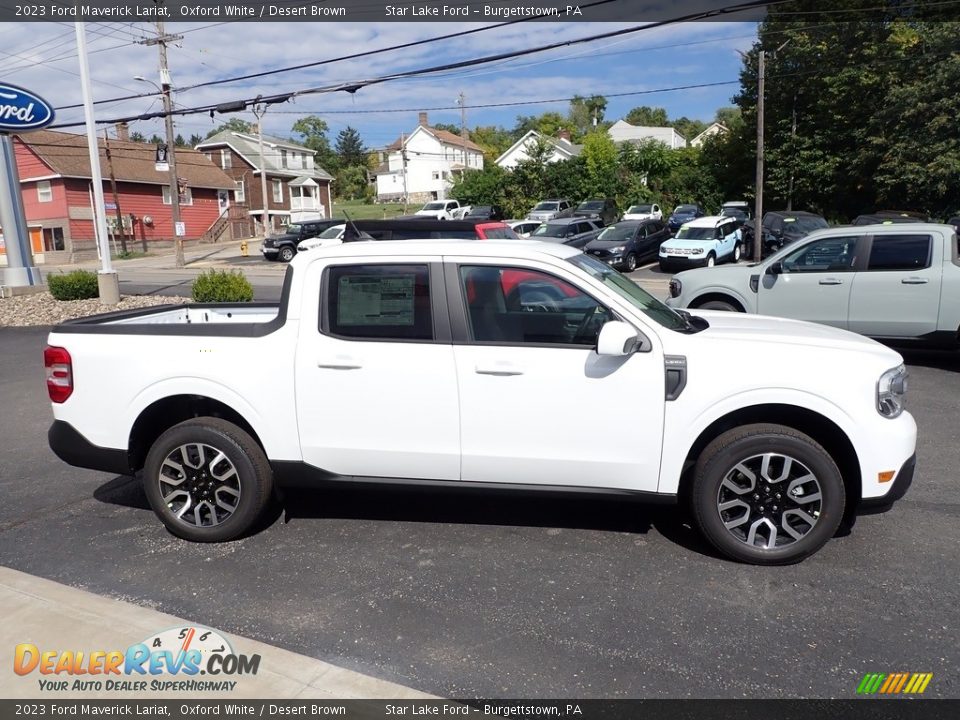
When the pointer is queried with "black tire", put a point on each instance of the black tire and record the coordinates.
(251, 481)
(711, 260)
(735, 256)
(719, 482)
(719, 305)
(286, 254)
(630, 262)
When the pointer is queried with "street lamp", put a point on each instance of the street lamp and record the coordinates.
(164, 89)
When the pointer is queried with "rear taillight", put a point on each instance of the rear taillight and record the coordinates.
(59, 373)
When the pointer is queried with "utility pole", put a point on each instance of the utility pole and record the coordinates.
(758, 213)
(113, 189)
(463, 129)
(403, 158)
(161, 41)
(259, 110)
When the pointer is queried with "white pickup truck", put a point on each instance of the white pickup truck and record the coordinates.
(478, 365)
(443, 210)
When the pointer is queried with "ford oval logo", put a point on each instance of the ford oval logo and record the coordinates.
(22, 110)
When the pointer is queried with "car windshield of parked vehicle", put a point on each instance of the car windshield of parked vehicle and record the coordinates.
(685, 209)
(500, 234)
(803, 225)
(617, 232)
(545, 206)
(631, 292)
(591, 205)
(551, 230)
(434, 206)
(696, 233)
(332, 232)
(734, 213)
(292, 229)
(480, 210)
(637, 209)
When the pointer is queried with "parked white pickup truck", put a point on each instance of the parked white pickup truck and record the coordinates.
(443, 210)
(463, 364)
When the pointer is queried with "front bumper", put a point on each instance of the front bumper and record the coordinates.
(901, 483)
(683, 261)
(269, 251)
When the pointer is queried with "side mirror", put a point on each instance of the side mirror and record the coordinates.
(617, 339)
(775, 269)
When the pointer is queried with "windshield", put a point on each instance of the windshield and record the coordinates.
(685, 209)
(332, 232)
(803, 225)
(630, 291)
(292, 229)
(592, 205)
(546, 206)
(480, 210)
(640, 209)
(734, 213)
(696, 233)
(616, 232)
(551, 230)
(434, 206)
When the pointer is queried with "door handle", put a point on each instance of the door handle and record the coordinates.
(915, 281)
(340, 362)
(831, 281)
(499, 369)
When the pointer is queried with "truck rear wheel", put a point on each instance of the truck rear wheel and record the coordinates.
(207, 480)
(767, 495)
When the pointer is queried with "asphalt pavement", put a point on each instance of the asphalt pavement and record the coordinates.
(470, 595)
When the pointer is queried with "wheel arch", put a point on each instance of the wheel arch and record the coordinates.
(700, 300)
(820, 428)
(160, 415)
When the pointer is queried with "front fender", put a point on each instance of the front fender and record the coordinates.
(748, 301)
(685, 425)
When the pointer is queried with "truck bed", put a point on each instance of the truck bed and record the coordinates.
(229, 319)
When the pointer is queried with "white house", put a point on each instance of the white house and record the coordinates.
(433, 157)
(713, 129)
(561, 149)
(622, 131)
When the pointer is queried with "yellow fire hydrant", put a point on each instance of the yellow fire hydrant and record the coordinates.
(243, 248)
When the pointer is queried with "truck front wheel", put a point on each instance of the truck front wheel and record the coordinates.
(207, 480)
(767, 494)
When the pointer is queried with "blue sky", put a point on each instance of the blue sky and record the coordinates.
(43, 58)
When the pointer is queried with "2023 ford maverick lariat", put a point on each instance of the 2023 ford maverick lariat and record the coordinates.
(454, 363)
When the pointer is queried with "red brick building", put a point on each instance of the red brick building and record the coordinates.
(57, 192)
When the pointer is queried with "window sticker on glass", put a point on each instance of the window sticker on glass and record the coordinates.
(376, 300)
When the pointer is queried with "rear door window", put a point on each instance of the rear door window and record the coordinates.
(900, 252)
(378, 302)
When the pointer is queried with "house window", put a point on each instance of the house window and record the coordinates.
(185, 199)
(436, 174)
(52, 239)
(278, 191)
(226, 159)
(240, 194)
(44, 191)
(208, 156)
(283, 158)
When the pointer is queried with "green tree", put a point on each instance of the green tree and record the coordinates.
(449, 127)
(311, 131)
(688, 128)
(157, 140)
(548, 123)
(351, 182)
(493, 139)
(647, 116)
(137, 137)
(600, 157)
(350, 150)
(729, 117)
(234, 124)
(178, 141)
(586, 112)
(195, 140)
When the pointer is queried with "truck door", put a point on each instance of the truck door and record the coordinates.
(375, 376)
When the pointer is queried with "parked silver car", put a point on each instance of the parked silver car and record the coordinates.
(894, 282)
(550, 209)
(575, 232)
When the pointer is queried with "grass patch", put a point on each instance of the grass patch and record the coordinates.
(359, 210)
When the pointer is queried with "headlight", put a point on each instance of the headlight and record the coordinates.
(676, 287)
(891, 392)
(617, 249)
(697, 251)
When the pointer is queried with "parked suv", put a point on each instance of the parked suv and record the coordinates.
(684, 213)
(550, 209)
(284, 247)
(575, 232)
(606, 210)
(704, 241)
(782, 227)
(624, 244)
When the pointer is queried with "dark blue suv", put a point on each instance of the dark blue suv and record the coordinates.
(684, 214)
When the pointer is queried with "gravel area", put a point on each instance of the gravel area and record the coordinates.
(43, 309)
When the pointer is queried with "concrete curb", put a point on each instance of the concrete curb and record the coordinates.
(58, 617)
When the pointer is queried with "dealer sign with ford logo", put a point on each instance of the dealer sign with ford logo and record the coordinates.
(22, 110)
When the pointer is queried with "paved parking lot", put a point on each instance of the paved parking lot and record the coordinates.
(460, 594)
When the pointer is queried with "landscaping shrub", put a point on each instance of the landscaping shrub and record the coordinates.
(222, 286)
(76, 285)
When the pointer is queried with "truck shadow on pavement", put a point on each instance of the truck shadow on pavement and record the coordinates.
(455, 506)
